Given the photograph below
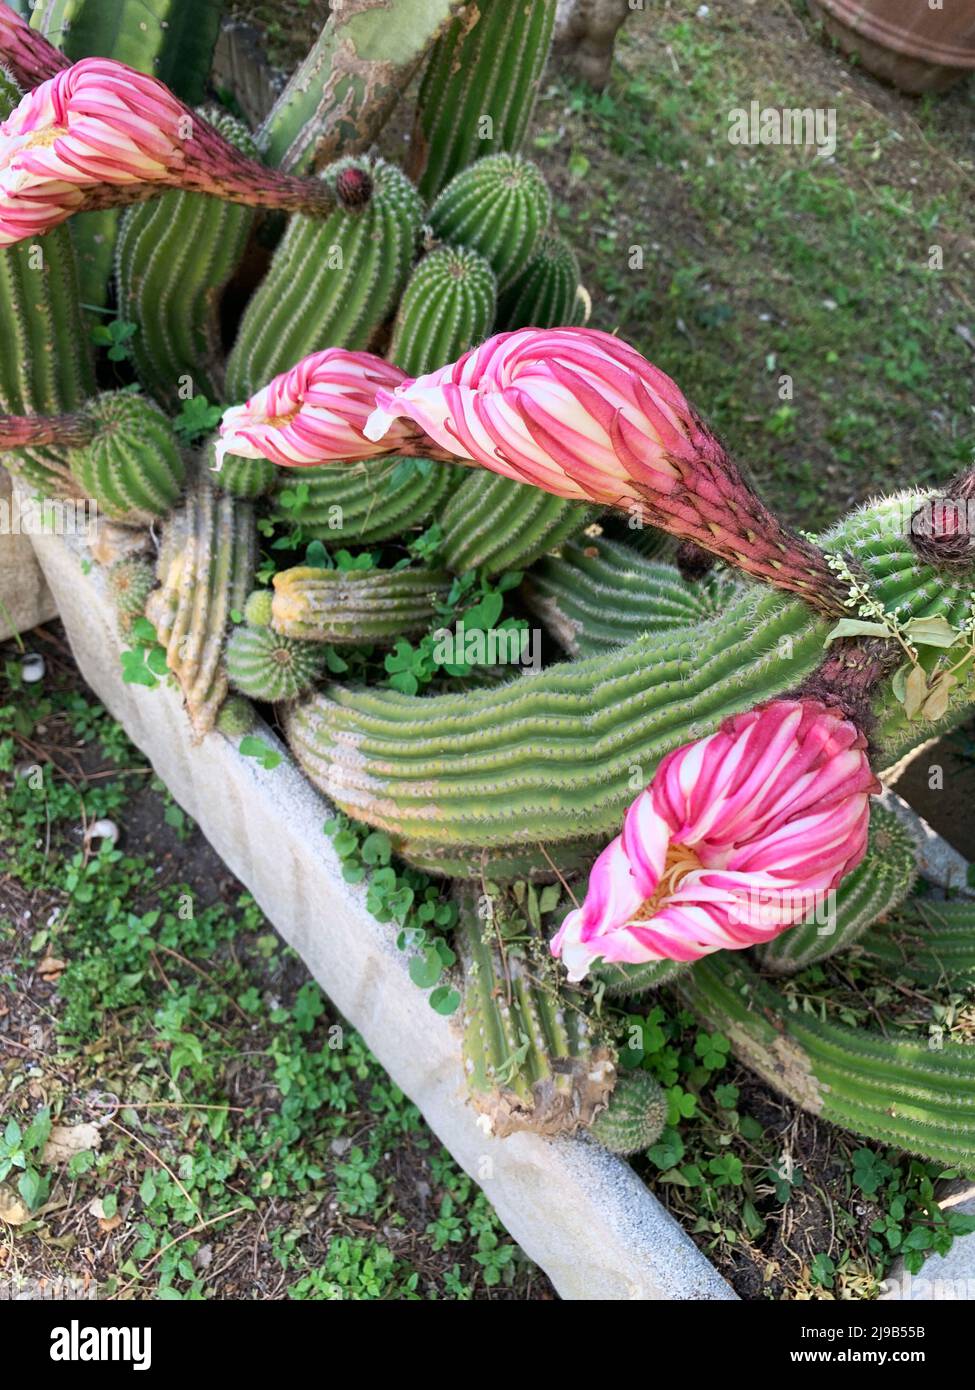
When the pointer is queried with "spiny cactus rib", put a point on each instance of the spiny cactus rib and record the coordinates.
(206, 570)
(447, 307)
(265, 665)
(46, 366)
(626, 980)
(552, 756)
(369, 501)
(356, 606)
(332, 281)
(597, 594)
(498, 207)
(882, 880)
(503, 864)
(927, 941)
(546, 293)
(892, 1088)
(493, 524)
(175, 257)
(531, 1059)
(131, 581)
(635, 1116)
(479, 86)
(133, 466)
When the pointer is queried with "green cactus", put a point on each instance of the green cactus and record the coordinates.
(500, 865)
(597, 594)
(133, 467)
(373, 500)
(175, 256)
(532, 1058)
(332, 282)
(356, 606)
(170, 40)
(882, 880)
(447, 307)
(477, 768)
(893, 1088)
(131, 580)
(635, 1116)
(479, 86)
(236, 716)
(927, 941)
(493, 524)
(267, 666)
(546, 293)
(498, 207)
(206, 570)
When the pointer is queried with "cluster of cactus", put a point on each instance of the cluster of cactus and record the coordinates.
(515, 781)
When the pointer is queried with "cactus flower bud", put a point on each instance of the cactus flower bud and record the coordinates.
(314, 413)
(98, 133)
(739, 836)
(582, 415)
(25, 52)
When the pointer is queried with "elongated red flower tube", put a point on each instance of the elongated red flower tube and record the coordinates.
(26, 53)
(35, 431)
(738, 837)
(582, 415)
(98, 134)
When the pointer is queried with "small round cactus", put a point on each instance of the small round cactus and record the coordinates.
(266, 666)
(257, 609)
(546, 293)
(447, 307)
(635, 1116)
(498, 207)
(131, 581)
(133, 467)
(236, 716)
(245, 478)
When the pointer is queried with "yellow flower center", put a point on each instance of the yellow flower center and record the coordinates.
(680, 860)
(41, 139)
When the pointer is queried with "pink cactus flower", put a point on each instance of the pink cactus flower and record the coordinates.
(314, 413)
(739, 836)
(582, 415)
(25, 52)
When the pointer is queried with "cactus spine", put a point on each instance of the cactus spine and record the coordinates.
(476, 768)
(267, 666)
(486, 67)
(892, 1089)
(532, 1060)
(635, 1116)
(175, 256)
(498, 207)
(927, 941)
(332, 282)
(350, 606)
(546, 293)
(493, 524)
(372, 500)
(883, 879)
(131, 581)
(447, 307)
(599, 593)
(206, 569)
(133, 467)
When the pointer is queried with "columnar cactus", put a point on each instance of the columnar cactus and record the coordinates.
(369, 501)
(133, 466)
(332, 281)
(498, 207)
(926, 940)
(356, 606)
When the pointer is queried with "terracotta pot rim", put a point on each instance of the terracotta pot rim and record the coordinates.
(912, 43)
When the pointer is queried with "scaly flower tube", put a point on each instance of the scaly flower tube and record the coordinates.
(315, 413)
(25, 52)
(98, 134)
(739, 836)
(582, 415)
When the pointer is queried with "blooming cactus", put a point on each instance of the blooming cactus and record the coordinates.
(738, 837)
(314, 413)
(582, 415)
(99, 133)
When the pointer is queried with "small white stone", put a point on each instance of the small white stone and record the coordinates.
(102, 830)
(32, 667)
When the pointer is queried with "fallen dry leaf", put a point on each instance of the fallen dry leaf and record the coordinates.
(65, 1141)
(12, 1209)
(50, 968)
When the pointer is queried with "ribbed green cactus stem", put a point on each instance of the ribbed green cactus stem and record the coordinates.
(927, 941)
(498, 207)
(131, 581)
(133, 465)
(597, 594)
(206, 570)
(892, 1088)
(356, 606)
(553, 756)
(501, 864)
(635, 1116)
(175, 256)
(332, 282)
(532, 1058)
(493, 524)
(479, 86)
(267, 666)
(883, 878)
(235, 717)
(626, 980)
(546, 292)
(372, 500)
(447, 307)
